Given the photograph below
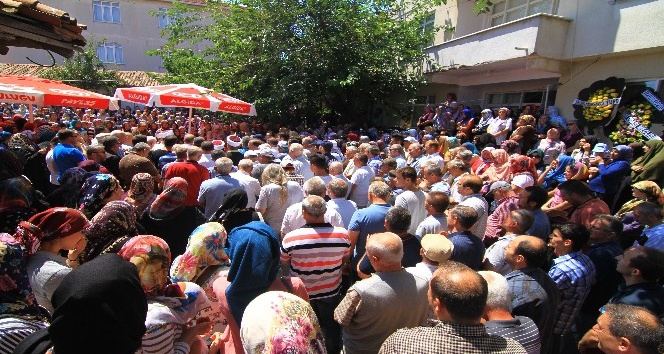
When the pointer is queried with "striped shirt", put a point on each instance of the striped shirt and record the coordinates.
(163, 339)
(14, 329)
(316, 252)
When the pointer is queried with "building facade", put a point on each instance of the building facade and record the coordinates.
(542, 52)
(125, 30)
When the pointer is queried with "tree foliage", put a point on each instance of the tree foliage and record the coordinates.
(300, 58)
(86, 71)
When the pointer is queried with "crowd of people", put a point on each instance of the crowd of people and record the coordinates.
(475, 231)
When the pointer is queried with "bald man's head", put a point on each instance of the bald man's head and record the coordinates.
(386, 248)
(526, 252)
(461, 291)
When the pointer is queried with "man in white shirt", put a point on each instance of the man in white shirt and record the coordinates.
(293, 219)
(469, 188)
(360, 181)
(337, 190)
(412, 198)
(250, 184)
(436, 249)
(300, 162)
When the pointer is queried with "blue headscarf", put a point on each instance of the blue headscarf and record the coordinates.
(558, 174)
(254, 253)
(625, 153)
(471, 147)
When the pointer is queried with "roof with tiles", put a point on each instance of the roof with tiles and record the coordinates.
(31, 24)
(131, 78)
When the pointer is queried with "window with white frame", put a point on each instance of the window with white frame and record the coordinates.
(427, 25)
(517, 100)
(510, 10)
(164, 18)
(110, 53)
(106, 11)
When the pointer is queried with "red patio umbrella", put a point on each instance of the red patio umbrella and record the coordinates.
(185, 95)
(43, 92)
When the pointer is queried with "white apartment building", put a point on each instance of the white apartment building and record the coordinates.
(127, 28)
(542, 52)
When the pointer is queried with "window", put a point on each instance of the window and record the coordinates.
(510, 10)
(106, 11)
(517, 100)
(110, 53)
(164, 19)
(427, 26)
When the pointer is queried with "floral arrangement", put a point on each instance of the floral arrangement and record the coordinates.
(595, 113)
(625, 134)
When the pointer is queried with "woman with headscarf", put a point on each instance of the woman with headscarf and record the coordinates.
(644, 191)
(113, 225)
(169, 218)
(233, 212)
(523, 165)
(254, 270)
(141, 192)
(276, 195)
(483, 140)
(608, 175)
(557, 208)
(555, 118)
(44, 236)
(483, 123)
(471, 147)
(172, 308)
(66, 195)
(97, 191)
(554, 173)
(202, 263)
(499, 169)
(485, 161)
(465, 122)
(649, 166)
(585, 149)
(100, 308)
(20, 315)
(279, 322)
(512, 147)
(21, 146)
(552, 146)
(537, 156)
(543, 126)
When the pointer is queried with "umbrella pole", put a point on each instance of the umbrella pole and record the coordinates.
(32, 116)
(191, 112)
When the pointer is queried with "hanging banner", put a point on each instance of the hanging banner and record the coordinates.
(578, 102)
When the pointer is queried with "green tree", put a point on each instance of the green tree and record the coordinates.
(86, 71)
(298, 58)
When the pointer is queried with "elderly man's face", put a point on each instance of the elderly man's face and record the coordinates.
(606, 341)
(414, 150)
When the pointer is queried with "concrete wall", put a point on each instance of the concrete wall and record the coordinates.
(137, 32)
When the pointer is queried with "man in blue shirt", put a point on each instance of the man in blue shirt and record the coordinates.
(468, 248)
(650, 215)
(574, 273)
(532, 198)
(367, 221)
(66, 154)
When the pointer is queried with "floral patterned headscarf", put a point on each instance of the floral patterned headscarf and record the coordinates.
(141, 192)
(205, 248)
(143, 250)
(94, 191)
(280, 322)
(113, 225)
(171, 200)
(16, 297)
